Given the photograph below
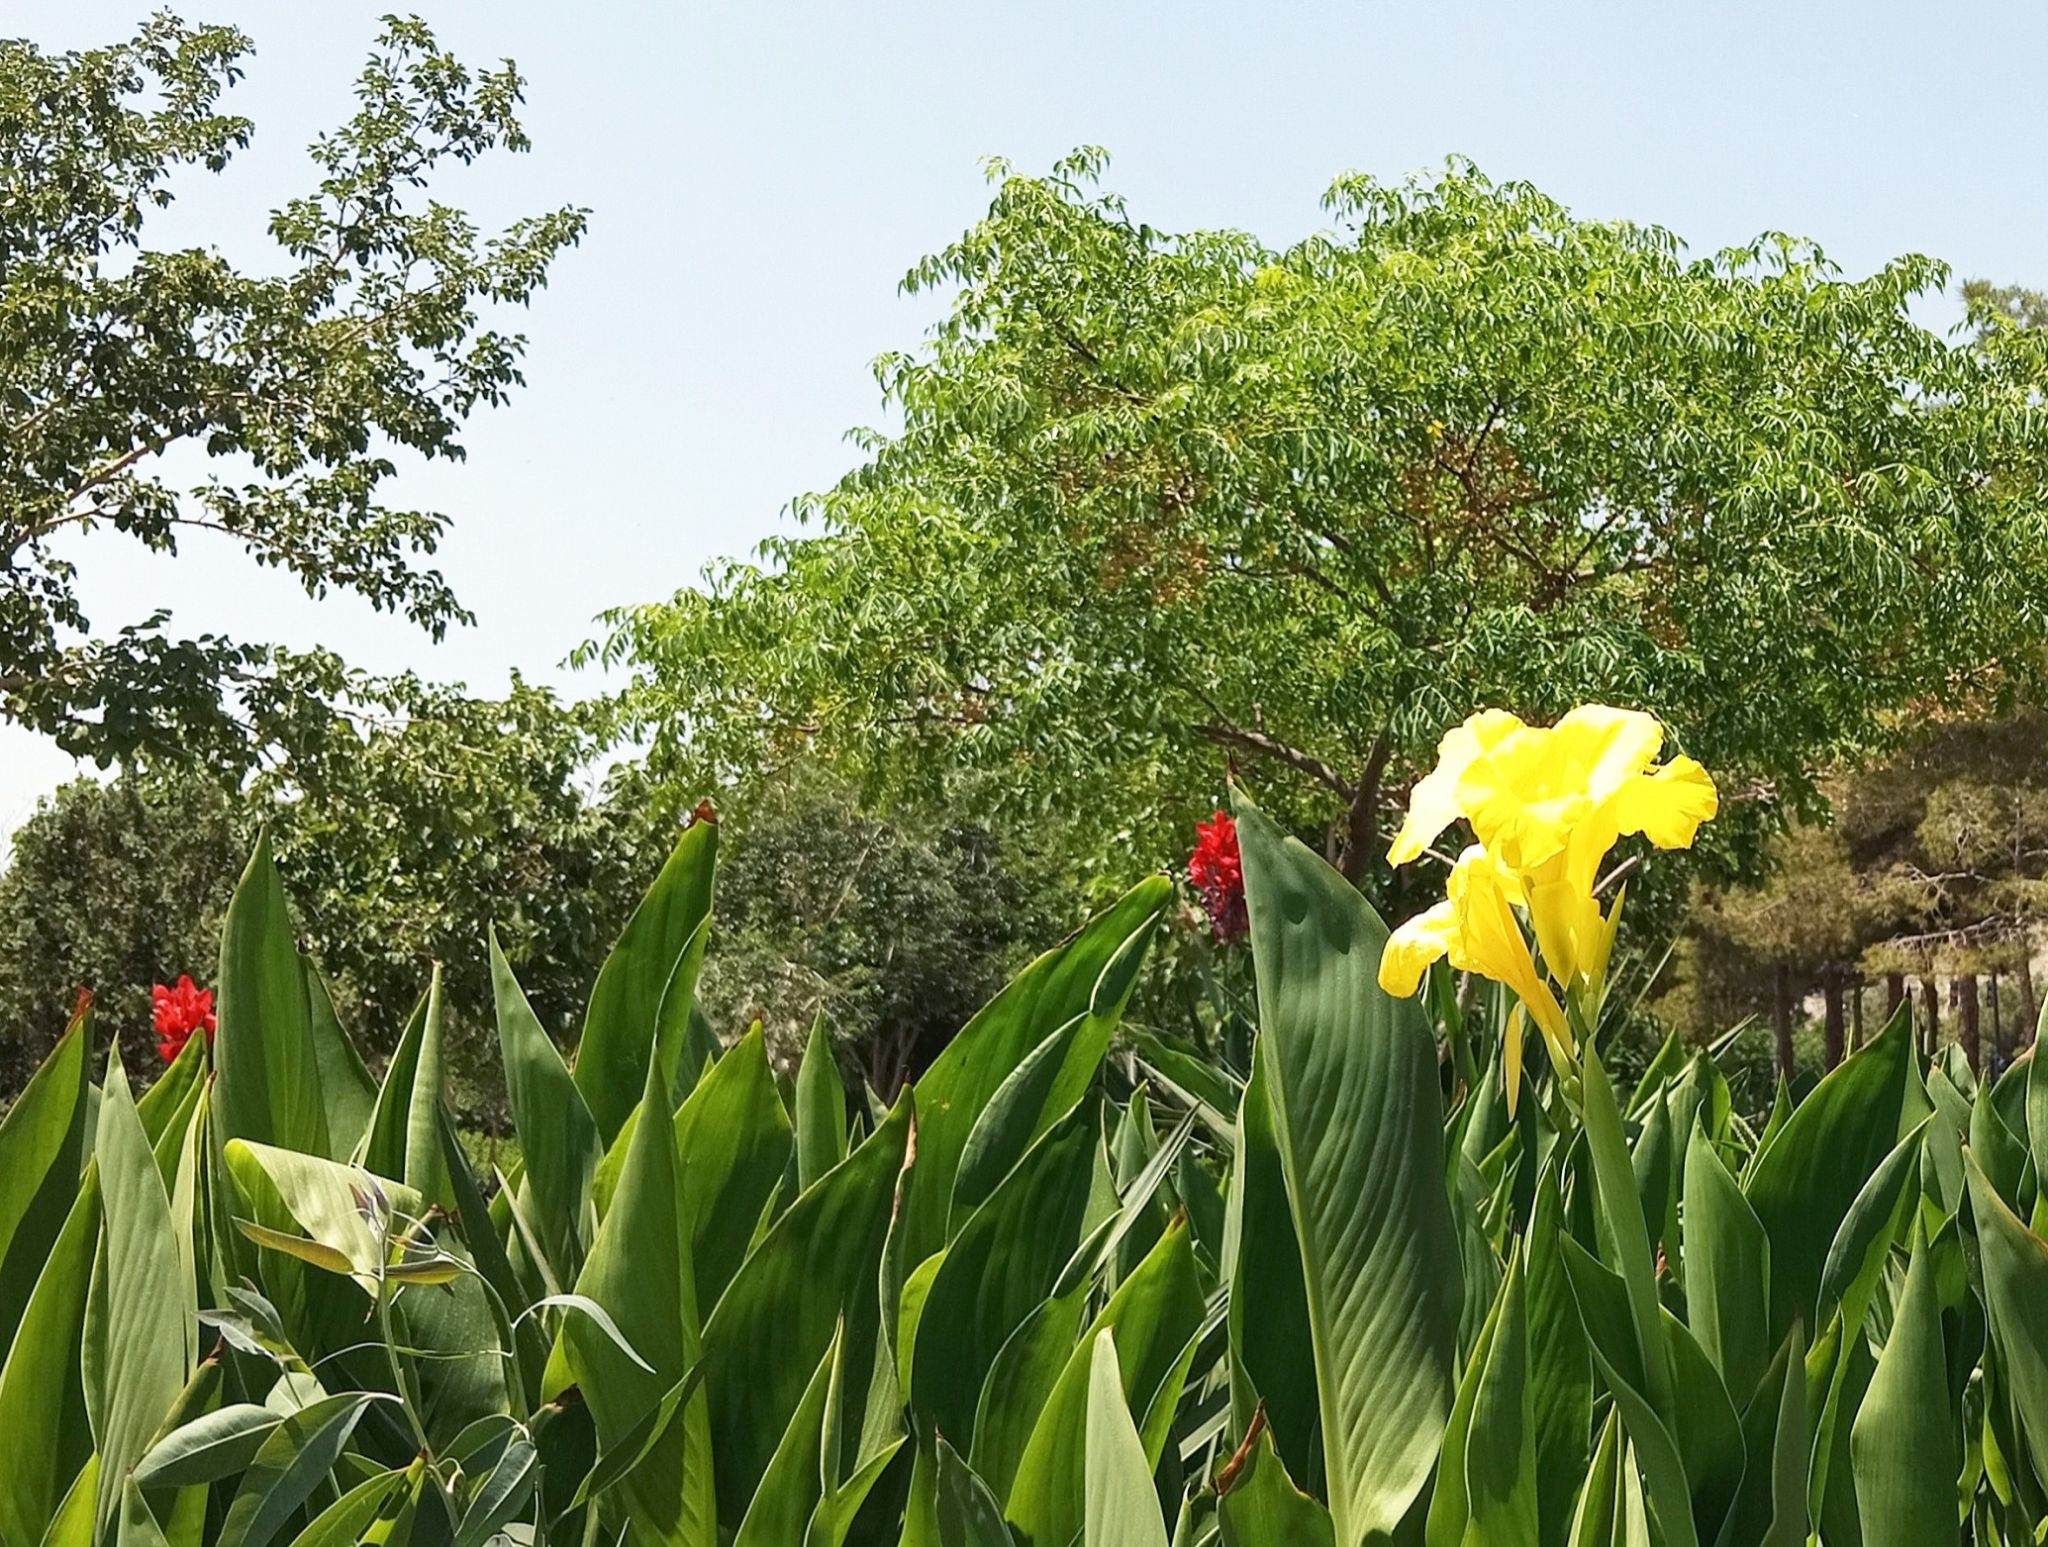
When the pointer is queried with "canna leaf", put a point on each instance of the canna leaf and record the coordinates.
(43, 1144)
(1358, 1120)
(557, 1135)
(1079, 987)
(1261, 1507)
(820, 1109)
(1903, 1444)
(1727, 1268)
(661, 945)
(1122, 1510)
(268, 1068)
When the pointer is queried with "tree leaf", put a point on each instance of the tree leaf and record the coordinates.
(1359, 1122)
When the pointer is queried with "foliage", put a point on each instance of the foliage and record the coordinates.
(112, 887)
(124, 367)
(1620, 1317)
(892, 928)
(1161, 502)
(412, 836)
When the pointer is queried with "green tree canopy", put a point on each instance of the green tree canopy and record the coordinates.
(124, 366)
(1158, 501)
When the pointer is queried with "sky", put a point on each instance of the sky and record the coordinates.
(761, 175)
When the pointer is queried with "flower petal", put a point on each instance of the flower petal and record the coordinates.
(1435, 802)
(1668, 806)
(1411, 948)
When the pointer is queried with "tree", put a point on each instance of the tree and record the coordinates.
(894, 927)
(112, 887)
(1161, 502)
(121, 365)
(403, 841)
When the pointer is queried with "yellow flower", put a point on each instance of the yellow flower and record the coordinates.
(1476, 928)
(1549, 802)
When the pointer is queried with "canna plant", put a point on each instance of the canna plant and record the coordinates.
(1399, 1280)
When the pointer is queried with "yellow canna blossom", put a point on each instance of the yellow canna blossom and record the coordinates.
(1475, 927)
(1547, 803)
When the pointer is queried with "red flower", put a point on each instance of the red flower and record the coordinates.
(1216, 870)
(178, 1013)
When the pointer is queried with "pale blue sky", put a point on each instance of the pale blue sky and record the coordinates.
(761, 174)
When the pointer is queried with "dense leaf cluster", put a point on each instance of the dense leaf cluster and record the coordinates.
(125, 369)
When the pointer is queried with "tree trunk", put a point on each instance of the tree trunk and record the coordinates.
(1831, 992)
(1894, 994)
(1856, 1015)
(2000, 1052)
(1358, 845)
(1972, 1030)
(1930, 1009)
(1781, 1018)
(2030, 1007)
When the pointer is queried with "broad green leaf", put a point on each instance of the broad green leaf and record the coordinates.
(326, 1200)
(424, 1172)
(1272, 1355)
(1629, 1240)
(1604, 1311)
(1019, 1384)
(1358, 1120)
(72, 1524)
(290, 1464)
(42, 1154)
(382, 1149)
(557, 1135)
(1486, 1480)
(1999, 1150)
(1003, 1131)
(2015, 1268)
(966, 1513)
(345, 1085)
(1082, 984)
(733, 1135)
(1595, 1516)
(1560, 1369)
(1152, 1315)
(637, 1272)
(664, 937)
(790, 1488)
(268, 1066)
(1883, 1209)
(42, 1397)
(152, 1320)
(1006, 1259)
(1262, 1507)
(212, 1446)
(1122, 1509)
(1903, 1445)
(1805, 1179)
(1770, 1508)
(1727, 1268)
(818, 1263)
(820, 1109)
